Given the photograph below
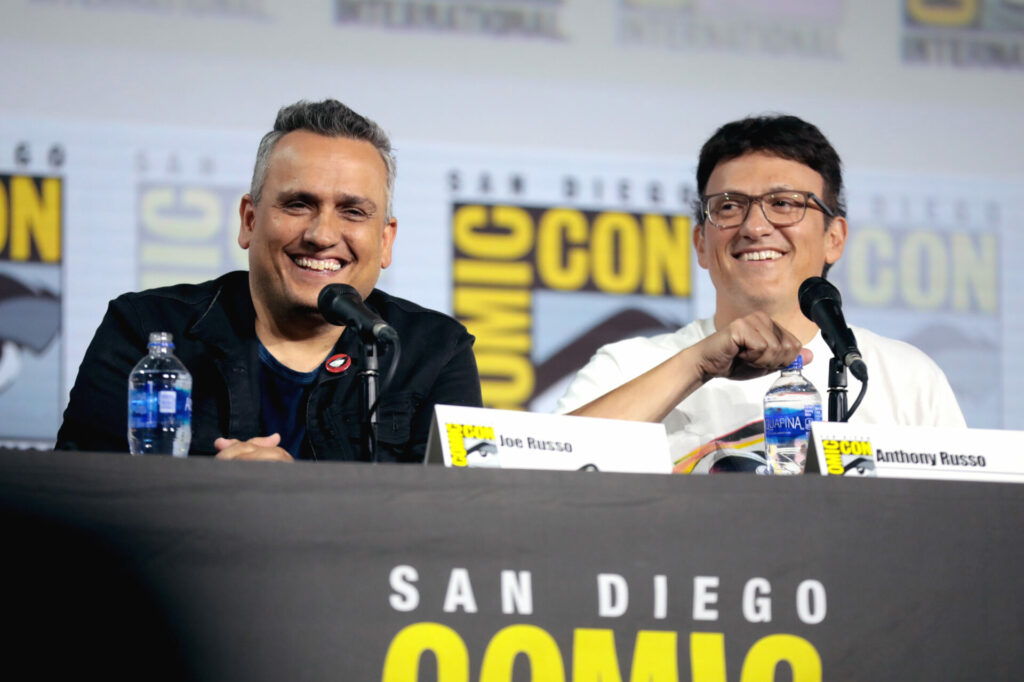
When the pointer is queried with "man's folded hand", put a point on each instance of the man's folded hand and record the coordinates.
(262, 448)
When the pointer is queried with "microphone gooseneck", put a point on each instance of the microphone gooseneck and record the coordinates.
(341, 305)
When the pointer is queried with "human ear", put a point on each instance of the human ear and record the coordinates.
(247, 219)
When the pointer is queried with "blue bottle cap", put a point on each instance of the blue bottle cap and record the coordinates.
(798, 363)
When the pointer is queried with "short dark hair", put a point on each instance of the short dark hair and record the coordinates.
(784, 136)
(330, 118)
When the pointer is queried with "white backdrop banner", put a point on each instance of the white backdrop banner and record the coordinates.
(544, 255)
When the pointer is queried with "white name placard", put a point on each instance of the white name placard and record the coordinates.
(506, 439)
(916, 452)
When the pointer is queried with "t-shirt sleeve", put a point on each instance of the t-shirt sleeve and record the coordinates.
(601, 374)
(943, 408)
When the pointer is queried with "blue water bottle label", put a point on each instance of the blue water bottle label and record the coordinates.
(144, 410)
(783, 423)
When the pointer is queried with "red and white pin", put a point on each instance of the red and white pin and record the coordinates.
(337, 364)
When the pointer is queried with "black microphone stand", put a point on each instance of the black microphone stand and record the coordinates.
(837, 391)
(369, 390)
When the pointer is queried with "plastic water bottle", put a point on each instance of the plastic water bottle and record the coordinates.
(160, 402)
(790, 406)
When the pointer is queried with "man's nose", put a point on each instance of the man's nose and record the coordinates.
(756, 224)
(324, 230)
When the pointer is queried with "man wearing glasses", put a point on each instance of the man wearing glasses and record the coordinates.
(771, 215)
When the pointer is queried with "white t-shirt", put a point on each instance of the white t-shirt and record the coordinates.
(905, 386)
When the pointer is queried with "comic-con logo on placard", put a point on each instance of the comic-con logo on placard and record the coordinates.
(517, 268)
(851, 457)
(472, 445)
(803, 28)
(964, 33)
(31, 219)
(504, 18)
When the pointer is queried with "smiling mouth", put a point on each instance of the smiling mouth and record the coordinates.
(317, 264)
(767, 254)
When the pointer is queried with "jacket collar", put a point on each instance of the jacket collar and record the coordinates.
(228, 322)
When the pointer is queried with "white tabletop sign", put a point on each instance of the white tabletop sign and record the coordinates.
(840, 449)
(506, 439)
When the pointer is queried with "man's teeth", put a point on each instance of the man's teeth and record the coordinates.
(760, 255)
(317, 264)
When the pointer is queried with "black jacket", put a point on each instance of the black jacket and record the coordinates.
(214, 335)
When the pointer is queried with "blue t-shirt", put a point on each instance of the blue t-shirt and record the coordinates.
(284, 394)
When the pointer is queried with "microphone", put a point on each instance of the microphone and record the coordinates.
(821, 303)
(342, 305)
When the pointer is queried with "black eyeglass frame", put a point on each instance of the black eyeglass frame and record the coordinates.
(808, 198)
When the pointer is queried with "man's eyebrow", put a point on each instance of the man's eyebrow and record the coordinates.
(356, 200)
(770, 190)
(284, 196)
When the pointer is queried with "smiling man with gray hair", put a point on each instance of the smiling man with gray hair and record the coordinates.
(273, 379)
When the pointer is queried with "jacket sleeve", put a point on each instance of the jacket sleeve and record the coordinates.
(96, 417)
(458, 382)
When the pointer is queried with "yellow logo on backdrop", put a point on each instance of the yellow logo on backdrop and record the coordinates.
(963, 33)
(924, 269)
(30, 218)
(503, 253)
(943, 12)
(186, 233)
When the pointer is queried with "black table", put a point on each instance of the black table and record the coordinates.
(198, 569)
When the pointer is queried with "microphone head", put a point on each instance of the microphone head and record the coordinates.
(329, 298)
(332, 292)
(814, 290)
(341, 305)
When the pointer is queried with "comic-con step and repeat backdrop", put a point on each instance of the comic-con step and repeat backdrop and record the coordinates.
(543, 256)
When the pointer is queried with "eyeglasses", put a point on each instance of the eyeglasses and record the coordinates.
(781, 209)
